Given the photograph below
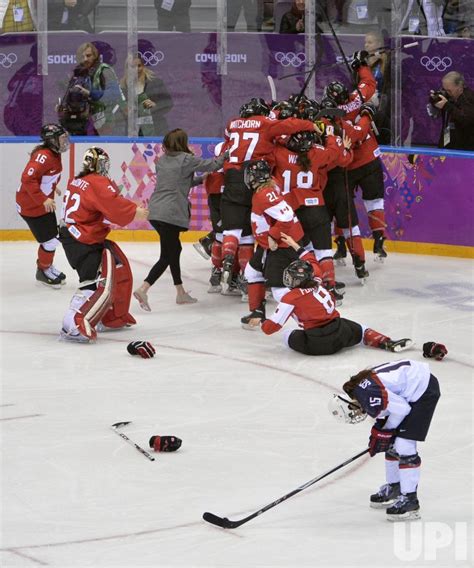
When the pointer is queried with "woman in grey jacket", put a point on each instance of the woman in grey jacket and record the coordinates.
(170, 209)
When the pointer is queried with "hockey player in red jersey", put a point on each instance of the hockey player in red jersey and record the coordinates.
(35, 200)
(300, 169)
(249, 137)
(401, 396)
(271, 216)
(366, 169)
(92, 201)
(323, 331)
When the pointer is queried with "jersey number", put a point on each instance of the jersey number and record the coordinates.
(324, 298)
(235, 137)
(304, 180)
(41, 158)
(76, 199)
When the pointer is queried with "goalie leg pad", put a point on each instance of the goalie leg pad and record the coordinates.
(99, 301)
(118, 314)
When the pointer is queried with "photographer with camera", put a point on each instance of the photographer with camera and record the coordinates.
(455, 104)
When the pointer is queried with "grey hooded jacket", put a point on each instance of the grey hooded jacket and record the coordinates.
(174, 178)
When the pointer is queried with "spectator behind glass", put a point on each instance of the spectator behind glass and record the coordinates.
(379, 64)
(70, 14)
(292, 22)
(94, 88)
(253, 14)
(17, 16)
(457, 112)
(154, 100)
(173, 15)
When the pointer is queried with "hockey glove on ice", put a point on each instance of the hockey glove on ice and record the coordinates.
(165, 443)
(143, 348)
(433, 350)
(380, 440)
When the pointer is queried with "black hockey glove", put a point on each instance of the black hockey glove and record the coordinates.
(368, 109)
(143, 348)
(433, 350)
(359, 58)
(380, 440)
(165, 443)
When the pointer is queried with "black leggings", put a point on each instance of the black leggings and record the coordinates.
(170, 252)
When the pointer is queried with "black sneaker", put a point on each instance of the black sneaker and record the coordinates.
(405, 508)
(49, 280)
(397, 345)
(379, 251)
(341, 250)
(385, 496)
(258, 314)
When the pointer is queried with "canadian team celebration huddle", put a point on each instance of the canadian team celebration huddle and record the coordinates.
(282, 183)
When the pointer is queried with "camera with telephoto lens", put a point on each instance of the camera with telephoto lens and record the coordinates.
(435, 96)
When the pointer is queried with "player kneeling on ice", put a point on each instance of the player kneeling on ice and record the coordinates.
(402, 396)
(93, 201)
(323, 331)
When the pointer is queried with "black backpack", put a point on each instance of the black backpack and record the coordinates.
(75, 104)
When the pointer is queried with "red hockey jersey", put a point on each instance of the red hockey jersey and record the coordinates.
(366, 148)
(306, 188)
(38, 182)
(91, 203)
(271, 215)
(252, 138)
(310, 307)
(214, 183)
(367, 87)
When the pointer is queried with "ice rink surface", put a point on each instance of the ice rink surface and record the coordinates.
(254, 421)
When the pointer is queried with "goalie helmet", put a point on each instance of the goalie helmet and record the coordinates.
(337, 92)
(302, 141)
(55, 137)
(255, 107)
(297, 273)
(256, 173)
(96, 160)
(345, 410)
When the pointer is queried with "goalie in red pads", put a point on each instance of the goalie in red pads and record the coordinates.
(92, 201)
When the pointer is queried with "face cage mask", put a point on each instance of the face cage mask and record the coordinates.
(345, 410)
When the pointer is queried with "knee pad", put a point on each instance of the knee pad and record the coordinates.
(410, 461)
(355, 231)
(253, 276)
(373, 204)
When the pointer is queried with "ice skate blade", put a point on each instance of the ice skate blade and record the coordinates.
(214, 289)
(244, 298)
(385, 505)
(51, 286)
(249, 327)
(340, 262)
(379, 259)
(200, 250)
(64, 336)
(408, 516)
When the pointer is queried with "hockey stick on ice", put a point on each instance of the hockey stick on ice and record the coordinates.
(127, 439)
(226, 523)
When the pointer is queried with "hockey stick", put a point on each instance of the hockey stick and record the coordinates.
(127, 439)
(271, 82)
(226, 523)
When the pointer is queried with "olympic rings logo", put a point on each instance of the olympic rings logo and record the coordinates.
(8, 59)
(152, 58)
(436, 63)
(290, 58)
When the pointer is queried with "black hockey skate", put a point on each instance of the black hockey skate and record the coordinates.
(336, 294)
(58, 274)
(341, 251)
(397, 345)
(204, 246)
(215, 281)
(379, 251)
(340, 287)
(243, 286)
(405, 508)
(47, 278)
(226, 278)
(385, 496)
(360, 270)
(253, 320)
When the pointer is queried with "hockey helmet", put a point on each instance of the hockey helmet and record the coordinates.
(345, 410)
(285, 109)
(297, 273)
(256, 173)
(255, 107)
(302, 141)
(55, 137)
(309, 110)
(337, 92)
(96, 160)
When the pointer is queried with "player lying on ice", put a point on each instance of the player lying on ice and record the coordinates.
(402, 397)
(323, 331)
